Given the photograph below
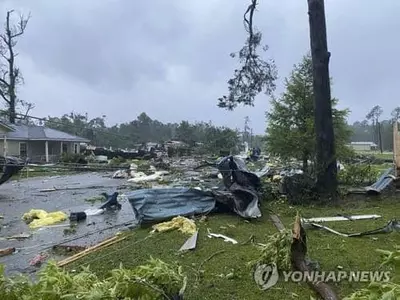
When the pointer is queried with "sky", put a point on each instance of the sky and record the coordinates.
(170, 59)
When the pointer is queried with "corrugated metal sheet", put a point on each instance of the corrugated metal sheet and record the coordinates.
(382, 183)
(151, 205)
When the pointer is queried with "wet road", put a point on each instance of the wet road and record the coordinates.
(18, 197)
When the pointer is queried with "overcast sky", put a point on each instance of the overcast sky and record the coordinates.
(170, 58)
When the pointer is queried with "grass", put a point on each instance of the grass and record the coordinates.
(378, 154)
(328, 249)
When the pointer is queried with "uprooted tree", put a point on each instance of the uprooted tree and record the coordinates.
(10, 74)
(291, 130)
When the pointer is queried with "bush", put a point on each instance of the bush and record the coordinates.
(358, 175)
(117, 161)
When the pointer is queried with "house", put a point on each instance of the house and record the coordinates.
(364, 146)
(37, 143)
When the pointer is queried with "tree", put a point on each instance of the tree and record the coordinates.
(396, 114)
(10, 74)
(374, 115)
(326, 165)
(255, 74)
(291, 132)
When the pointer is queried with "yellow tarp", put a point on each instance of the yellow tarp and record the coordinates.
(39, 218)
(181, 223)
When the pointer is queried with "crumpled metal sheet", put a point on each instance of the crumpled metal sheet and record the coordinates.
(240, 195)
(151, 205)
(382, 183)
(241, 187)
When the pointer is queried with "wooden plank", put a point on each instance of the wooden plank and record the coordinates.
(277, 222)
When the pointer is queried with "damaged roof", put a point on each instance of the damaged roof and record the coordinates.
(39, 133)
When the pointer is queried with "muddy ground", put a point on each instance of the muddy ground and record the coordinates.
(18, 197)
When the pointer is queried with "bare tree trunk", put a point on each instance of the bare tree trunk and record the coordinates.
(326, 169)
(380, 136)
(10, 75)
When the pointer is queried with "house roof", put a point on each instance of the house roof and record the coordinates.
(365, 143)
(40, 133)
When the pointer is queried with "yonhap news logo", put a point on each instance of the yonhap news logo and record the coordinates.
(267, 275)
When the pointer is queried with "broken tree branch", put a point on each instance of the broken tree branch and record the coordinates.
(255, 74)
(299, 251)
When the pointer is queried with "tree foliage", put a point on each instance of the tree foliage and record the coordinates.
(290, 130)
(143, 130)
(255, 74)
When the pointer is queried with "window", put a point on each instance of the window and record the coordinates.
(64, 148)
(76, 148)
(22, 149)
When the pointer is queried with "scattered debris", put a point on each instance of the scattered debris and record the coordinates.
(6, 251)
(190, 243)
(393, 225)
(339, 218)
(38, 260)
(20, 236)
(141, 177)
(226, 238)
(90, 250)
(183, 225)
(37, 218)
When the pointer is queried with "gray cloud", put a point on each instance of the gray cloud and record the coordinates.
(171, 58)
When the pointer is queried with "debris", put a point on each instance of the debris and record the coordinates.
(298, 255)
(48, 190)
(183, 225)
(391, 226)
(226, 238)
(209, 258)
(38, 260)
(120, 174)
(6, 251)
(277, 222)
(152, 205)
(340, 218)
(37, 218)
(112, 201)
(20, 236)
(90, 250)
(190, 243)
(77, 216)
(153, 177)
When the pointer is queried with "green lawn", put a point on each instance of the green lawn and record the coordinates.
(378, 154)
(328, 249)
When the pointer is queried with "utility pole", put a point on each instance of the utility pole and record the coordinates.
(326, 167)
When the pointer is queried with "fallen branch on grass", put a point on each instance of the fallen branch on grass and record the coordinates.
(209, 258)
(299, 251)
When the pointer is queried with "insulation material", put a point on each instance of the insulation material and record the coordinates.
(38, 218)
(182, 224)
